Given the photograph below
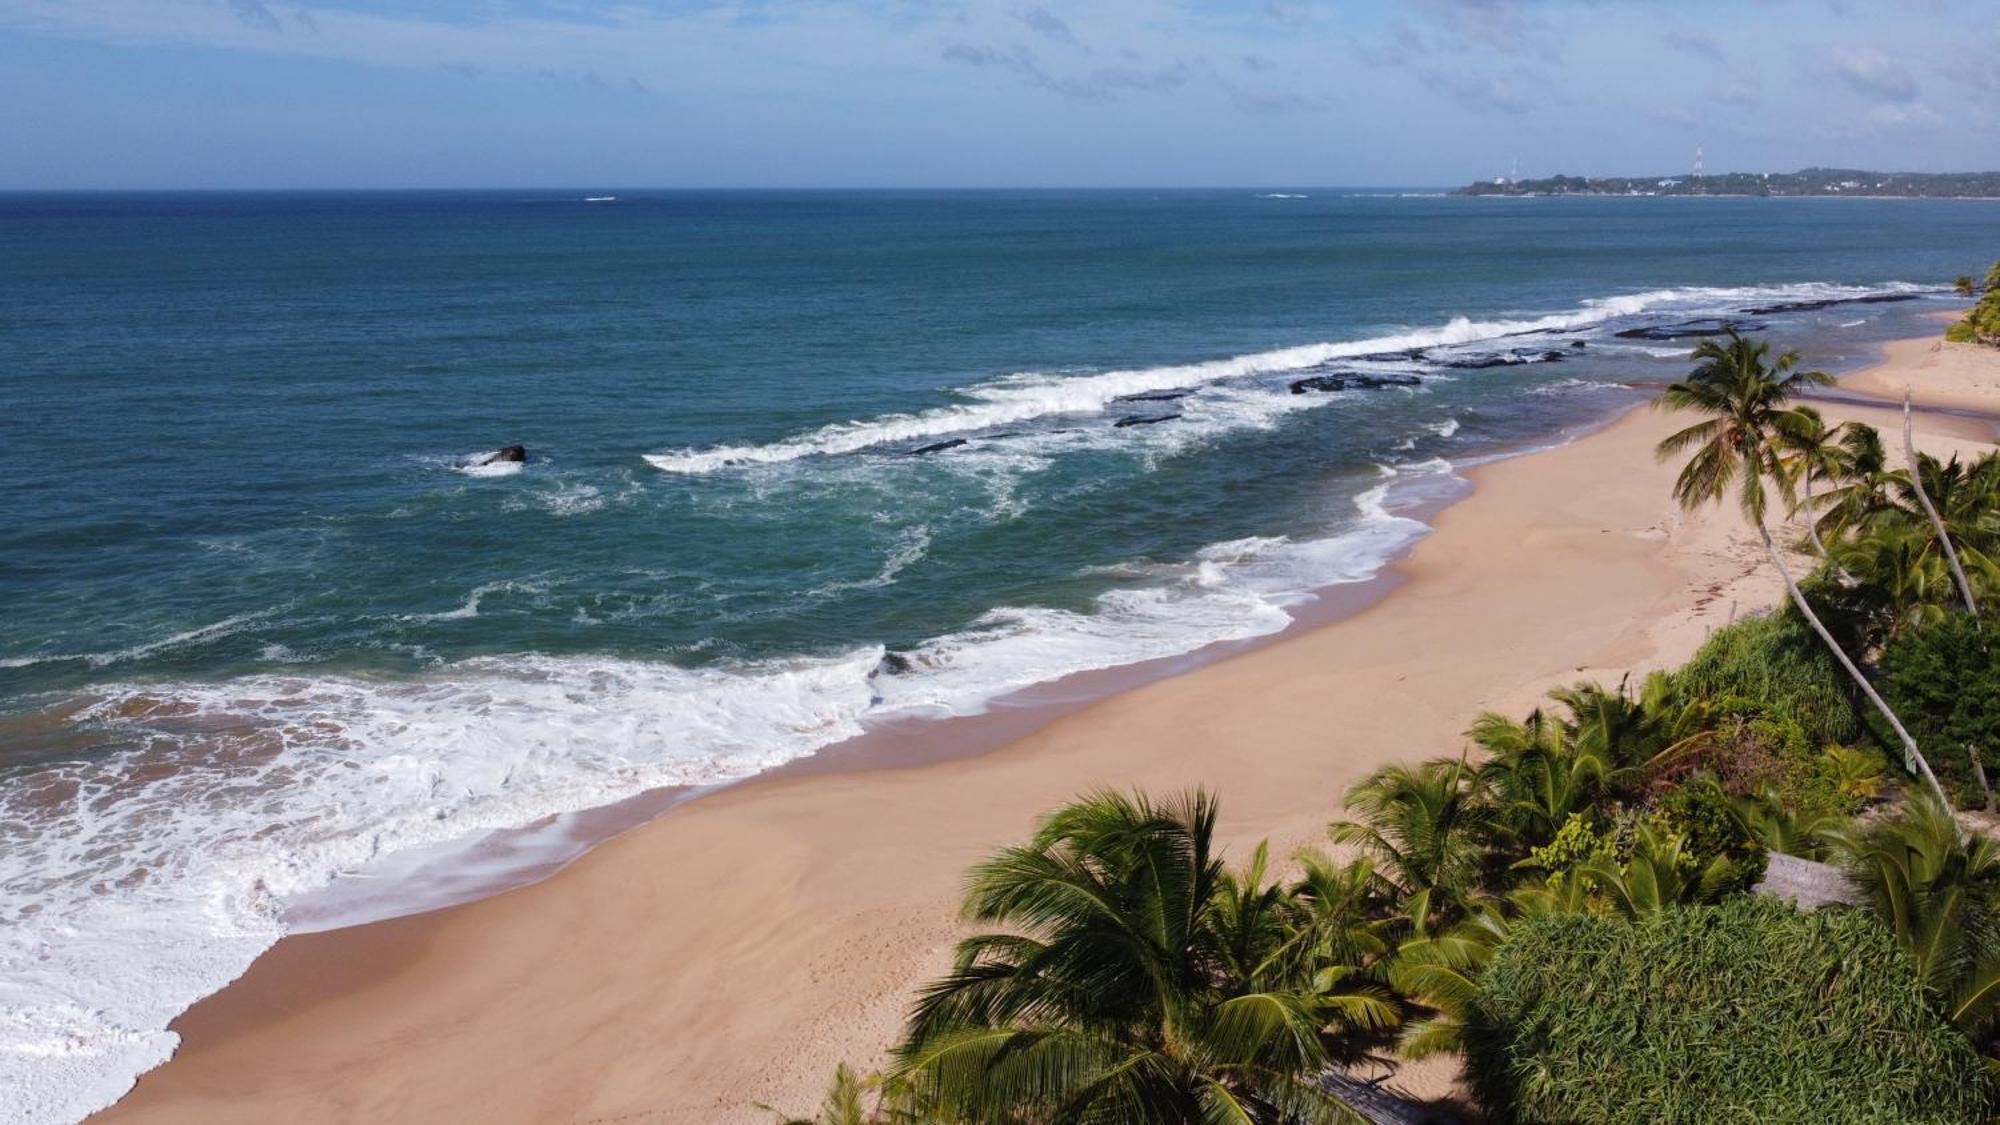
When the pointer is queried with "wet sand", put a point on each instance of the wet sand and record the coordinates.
(734, 949)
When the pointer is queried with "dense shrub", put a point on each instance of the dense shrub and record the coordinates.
(1982, 320)
(1942, 678)
(1773, 666)
(1746, 1011)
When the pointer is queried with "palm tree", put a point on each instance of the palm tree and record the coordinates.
(1861, 466)
(1776, 826)
(1962, 285)
(1810, 449)
(1660, 873)
(1930, 510)
(1939, 892)
(1538, 773)
(1441, 971)
(1427, 827)
(1738, 446)
(1136, 982)
(1897, 574)
(842, 1105)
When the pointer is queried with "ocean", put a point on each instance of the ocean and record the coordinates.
(798, 463)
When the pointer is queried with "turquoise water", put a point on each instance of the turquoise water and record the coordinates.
(265, 622)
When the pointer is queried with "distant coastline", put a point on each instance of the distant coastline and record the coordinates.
(1810, 183)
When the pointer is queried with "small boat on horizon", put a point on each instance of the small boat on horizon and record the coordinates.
(600, 199)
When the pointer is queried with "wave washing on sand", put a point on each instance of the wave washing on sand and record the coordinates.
(1033, 397)
(137, 884)
(138, 879)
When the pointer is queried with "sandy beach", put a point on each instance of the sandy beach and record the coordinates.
(735, 949)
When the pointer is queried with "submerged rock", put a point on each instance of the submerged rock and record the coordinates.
(1143, 420)
(1689, 330)
(937, 446)
(513, 453)
(1352, 379)
(1319, 383)
(1153, 396)
(1809, 306)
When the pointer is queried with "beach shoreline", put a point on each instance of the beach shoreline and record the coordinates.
(734, 950)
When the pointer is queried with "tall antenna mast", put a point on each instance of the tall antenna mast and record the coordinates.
(1699, 169)
(1514, 171)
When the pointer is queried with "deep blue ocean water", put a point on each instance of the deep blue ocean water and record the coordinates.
(265, 621)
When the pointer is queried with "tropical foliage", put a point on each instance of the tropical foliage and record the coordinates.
(1982, 322)
(1528, 899)
(1746, 1011)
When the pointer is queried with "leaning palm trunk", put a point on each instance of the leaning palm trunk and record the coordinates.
(1812, 517)
(1913, 757)
(1924, 498)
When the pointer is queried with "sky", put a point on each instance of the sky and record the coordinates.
(943, 93)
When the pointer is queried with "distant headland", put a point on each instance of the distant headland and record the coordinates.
(1807, 182)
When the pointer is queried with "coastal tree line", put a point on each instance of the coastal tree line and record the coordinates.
(1564, 906)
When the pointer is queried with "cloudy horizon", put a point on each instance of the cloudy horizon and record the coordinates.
(908, 93)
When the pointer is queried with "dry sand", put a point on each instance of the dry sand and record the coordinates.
(736, 948)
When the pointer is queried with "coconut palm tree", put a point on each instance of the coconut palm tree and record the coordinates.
(1864, 480)
(1135, 981)
(1809, 449)
(1930, 510)
(1962, 285)
(1538, 773)
(1939, 892)
(1426, 826)
(1898, 575)
(1745, 393)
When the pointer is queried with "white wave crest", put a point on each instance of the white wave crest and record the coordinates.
(1021, 398)
(156, 873)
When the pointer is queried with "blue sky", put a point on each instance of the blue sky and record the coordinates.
(356, 93)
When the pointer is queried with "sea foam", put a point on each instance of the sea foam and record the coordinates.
(1032, 396)
(157, 873)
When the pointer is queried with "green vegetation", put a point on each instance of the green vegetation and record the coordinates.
(1563, 901)
(1744, 1011)
(1982, 321)
(1943, 677)
(1809, 181)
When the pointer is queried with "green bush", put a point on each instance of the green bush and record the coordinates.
(1942, 678)
(1775, 667)
(1982, 320)
(1746, 1011)
(1699, 813)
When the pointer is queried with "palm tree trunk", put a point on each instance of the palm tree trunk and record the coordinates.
(1812, 518)
(1913, 757)
(1917, 483)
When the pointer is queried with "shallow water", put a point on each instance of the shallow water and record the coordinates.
(265, 623)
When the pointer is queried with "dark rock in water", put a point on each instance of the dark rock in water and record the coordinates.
(1477, 362)
(1690, 330)
(1391, 357)
(937, 446)
(893, 664)
(1143, 420)
(1153, 396)
(1810, 306)
(1319, 383)
(514, 453)
(1352, 379)
(1504, 359)
(1579, 343)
